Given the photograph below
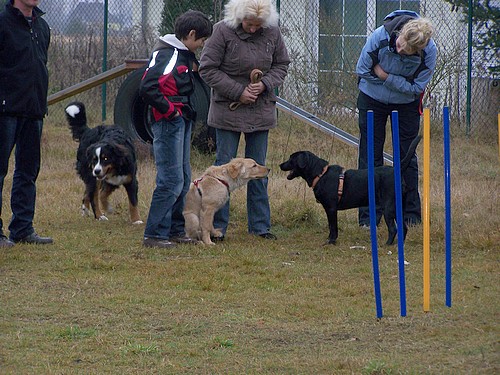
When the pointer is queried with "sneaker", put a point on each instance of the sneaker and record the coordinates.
(182, 240)
(268, 236)
(35, 239)
(157, 242)
(5, 242)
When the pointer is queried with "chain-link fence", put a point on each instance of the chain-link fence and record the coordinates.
(324, 39)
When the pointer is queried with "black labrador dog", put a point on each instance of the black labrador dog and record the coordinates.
(337, 189)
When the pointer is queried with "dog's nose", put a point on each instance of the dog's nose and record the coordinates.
(97, 172)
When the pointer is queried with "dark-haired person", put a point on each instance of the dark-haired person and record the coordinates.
(395, 65)
(167, 85)
(24, 42)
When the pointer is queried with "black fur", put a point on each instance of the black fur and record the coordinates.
(117, 157)
(355, 190)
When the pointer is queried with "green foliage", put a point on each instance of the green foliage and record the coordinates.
(223, 343)
(75, 332)
(174, 8)
(377, 368)
(486, 19)
(140, 349)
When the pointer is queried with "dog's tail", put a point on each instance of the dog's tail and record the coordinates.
(77, 119)
(409, 155)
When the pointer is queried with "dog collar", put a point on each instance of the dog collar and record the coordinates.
(316, 179)
(341, 184)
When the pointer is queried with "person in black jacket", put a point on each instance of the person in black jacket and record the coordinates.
(167, 85)
(24, 42)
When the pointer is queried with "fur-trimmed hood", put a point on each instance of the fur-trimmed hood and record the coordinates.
(236, 10)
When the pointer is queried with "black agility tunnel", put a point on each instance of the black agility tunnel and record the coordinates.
(136, 117)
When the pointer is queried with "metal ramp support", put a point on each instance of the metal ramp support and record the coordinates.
(118, 71)
(322, 125)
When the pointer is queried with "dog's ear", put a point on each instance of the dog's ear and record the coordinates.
(302, 160)
(90, 152)
(120, 150)
(234, 170)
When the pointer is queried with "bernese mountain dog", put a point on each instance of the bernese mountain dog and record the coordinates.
(105, 160)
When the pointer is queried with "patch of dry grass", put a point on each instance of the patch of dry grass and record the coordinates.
(98, 302)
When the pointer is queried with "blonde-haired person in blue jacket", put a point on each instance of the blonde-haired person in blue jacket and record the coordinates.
(394, 68)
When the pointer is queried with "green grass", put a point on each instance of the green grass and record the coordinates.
(98, 302)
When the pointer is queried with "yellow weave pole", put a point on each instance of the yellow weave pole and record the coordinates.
(426, 210)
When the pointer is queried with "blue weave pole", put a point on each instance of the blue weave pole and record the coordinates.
(447, 204)
(373, 214)
(399, 210)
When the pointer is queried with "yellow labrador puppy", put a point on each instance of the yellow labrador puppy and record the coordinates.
(211, 191)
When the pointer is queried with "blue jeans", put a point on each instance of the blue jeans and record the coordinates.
(409, 123)
(258, 210)
(171, 147)
(25, 134)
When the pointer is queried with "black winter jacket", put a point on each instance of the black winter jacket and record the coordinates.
(24, 78)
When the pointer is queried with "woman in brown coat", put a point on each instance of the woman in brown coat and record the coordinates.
(248, 38)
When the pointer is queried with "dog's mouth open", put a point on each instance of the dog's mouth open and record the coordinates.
(99, 174)
(102, 172)
(291, 172)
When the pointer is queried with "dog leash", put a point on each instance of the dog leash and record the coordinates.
(420, 104)
(255, 77)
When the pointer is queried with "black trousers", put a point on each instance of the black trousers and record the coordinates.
(409, 123)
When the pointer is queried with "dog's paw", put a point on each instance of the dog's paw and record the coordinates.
(84, 211)
(216, 233)
(103, 218)
(138, 222)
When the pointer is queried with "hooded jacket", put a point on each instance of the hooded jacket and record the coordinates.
(227, 59)
(168, 81)
(408, 75)
(24, 78)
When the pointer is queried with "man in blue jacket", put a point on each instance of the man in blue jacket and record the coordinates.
(24, 42)
(395, 65)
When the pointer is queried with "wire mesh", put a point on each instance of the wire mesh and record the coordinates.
(324, 39)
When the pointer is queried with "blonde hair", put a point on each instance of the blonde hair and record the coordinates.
(415, 34)
(236, 11)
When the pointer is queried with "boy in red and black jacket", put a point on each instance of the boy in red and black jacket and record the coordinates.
(167, 85)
